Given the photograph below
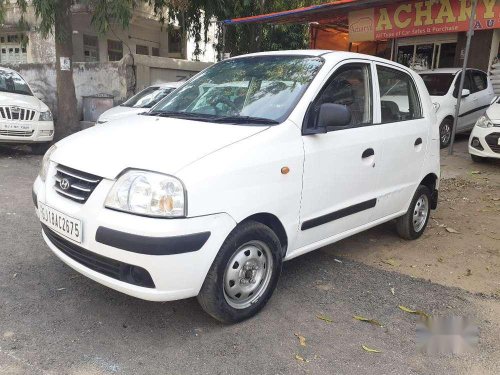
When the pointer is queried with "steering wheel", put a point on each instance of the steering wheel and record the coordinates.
(219, 98)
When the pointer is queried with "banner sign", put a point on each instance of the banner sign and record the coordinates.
(415, 18)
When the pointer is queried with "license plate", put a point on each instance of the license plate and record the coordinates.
(63, 224)
(18, 127)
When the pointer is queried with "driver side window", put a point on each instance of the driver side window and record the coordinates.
(350, 85)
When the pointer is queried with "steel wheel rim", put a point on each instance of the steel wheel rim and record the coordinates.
(247, 274)
(420, 212)
(445, 133)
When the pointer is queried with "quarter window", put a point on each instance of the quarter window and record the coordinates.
(350, 85)
(398, 96)
(479, 81)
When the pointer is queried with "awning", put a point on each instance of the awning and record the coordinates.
(315, 13)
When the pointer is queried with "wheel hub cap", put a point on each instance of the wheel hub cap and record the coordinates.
(420, 212)
(247, 274)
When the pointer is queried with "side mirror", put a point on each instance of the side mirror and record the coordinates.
(465, 93)
(333, 115)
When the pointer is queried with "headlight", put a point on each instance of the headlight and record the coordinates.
(45, 163)
(45, 116)
(484, 122)
(148, 193)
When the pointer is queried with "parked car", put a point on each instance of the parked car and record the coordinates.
(443, 87)
(24, 119)
(140, 102)
(484, 141)
(207, 195)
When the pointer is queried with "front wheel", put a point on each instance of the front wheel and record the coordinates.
(445, 130)
(243, 275)
(40, 148)
(411, 225)
(477, 159)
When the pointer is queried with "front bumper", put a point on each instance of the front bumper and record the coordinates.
(38, 131)
(138, 241)
(489, 148)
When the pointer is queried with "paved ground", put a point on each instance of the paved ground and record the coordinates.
(53, 321)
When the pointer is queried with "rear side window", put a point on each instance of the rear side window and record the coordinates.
(398, 96)
(479, 81)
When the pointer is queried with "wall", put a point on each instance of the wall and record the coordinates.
(479, 49)
(121, 79)
(113, 78)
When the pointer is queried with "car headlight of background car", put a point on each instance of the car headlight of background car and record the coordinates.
(45, 116)
(484, 122)
(148, 193)
(45, 163)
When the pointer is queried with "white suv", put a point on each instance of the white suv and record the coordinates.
(443, 87)
(24, 119)
(207, 195)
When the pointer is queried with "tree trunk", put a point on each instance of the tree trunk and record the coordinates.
(67, 121)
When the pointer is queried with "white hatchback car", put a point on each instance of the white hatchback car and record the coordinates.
(484, 141)
(140, 102)
(24, 119)
(443, 87)
(207, 195)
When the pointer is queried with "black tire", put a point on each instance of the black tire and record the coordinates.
(213, 298)
(40, 148)
(445, 130)
(477, 159)
(405, 224)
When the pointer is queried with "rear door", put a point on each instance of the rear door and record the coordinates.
(482, 93)
(406, 138)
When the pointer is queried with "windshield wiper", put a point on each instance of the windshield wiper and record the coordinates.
(181, 115)
(244, 120)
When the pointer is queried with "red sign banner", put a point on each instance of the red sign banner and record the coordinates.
(415, 18)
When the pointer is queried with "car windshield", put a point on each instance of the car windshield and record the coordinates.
(438, 84)
(148, 97)
(256, 89)
(13, 83)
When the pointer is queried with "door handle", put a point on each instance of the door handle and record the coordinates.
(367, 153)
(418, 141)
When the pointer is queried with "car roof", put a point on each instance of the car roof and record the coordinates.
(326, 54)
(445, 70)
(8, 70)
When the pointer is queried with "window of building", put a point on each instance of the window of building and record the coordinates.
(174, 41)
(398, 95)
(349, 86)
(155, 51)
(13, 49)
(141, 50)
(426, 56)
(90, 48)
(115, 50)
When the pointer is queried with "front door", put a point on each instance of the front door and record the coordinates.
(467, 116)
(340, 167)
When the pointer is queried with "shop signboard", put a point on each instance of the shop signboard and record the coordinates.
(414, 18)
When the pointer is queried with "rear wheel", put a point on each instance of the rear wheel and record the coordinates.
(40, 148)
(243, 275)
(445, 130)
(411, 225)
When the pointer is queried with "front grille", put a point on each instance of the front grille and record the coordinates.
(16, 133)
(492, 141)
(16, 113)
(104, 265)
(74, 184)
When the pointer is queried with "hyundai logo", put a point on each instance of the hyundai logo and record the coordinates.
(65, 185)
(15, 109)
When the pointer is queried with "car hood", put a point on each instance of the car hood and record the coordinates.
(23, 101)
(120, 112)
(493, 112)
(158, 144)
